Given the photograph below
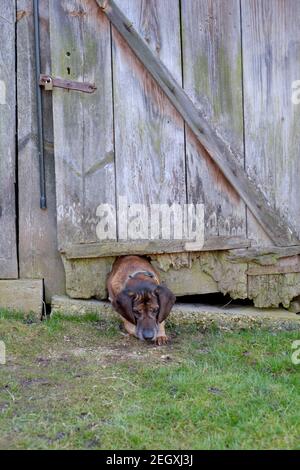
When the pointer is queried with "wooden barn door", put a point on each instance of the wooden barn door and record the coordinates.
(129, 137)
(8, 250)
(125, 140)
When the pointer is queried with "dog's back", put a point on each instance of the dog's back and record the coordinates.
(124, 269)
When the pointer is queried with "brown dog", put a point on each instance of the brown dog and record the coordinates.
(136, 293)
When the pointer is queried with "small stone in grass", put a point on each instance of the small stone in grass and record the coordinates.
(246, 353)
(166, 357)
(215, 390)
(203, 351)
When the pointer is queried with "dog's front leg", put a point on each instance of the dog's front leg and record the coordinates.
(161, 337)
(130, 328)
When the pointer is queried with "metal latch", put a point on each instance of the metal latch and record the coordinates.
(49, 82)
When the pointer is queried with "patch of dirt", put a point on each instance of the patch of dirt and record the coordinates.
(122, 349)
(28, 382)
(108, 355)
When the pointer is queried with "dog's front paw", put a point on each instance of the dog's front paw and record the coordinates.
(161, 340)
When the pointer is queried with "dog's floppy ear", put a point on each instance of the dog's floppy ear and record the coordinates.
(166, 301)
(123, 305)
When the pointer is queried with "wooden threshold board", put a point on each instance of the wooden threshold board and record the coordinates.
(115, 248)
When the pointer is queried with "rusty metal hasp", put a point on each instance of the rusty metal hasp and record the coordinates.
(49, 82)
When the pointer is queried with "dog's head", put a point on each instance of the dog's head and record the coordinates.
(145, 306)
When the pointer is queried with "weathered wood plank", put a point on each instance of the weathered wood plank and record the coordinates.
(272, 290)
(289, 264)
(223, 155)
(22, 296)
(149, 133)
(86, 277)
(265, 255)
(212, 76)
(38, 253)
(110, 248)
(8, 248)
(271, 62)
(83, 124)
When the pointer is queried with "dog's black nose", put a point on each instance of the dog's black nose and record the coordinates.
(148, 333)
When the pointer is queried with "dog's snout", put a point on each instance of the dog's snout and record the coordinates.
(148, 333)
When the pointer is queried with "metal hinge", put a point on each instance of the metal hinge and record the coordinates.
(49, 82)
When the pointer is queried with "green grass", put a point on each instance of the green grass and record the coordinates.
(81, 383)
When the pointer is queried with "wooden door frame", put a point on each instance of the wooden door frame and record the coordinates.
(8, 229)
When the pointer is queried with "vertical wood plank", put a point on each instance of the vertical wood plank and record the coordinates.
(149, 133)
(271, 62)
(8, 250)
(212, 77)
(38, 253)
(83, 124)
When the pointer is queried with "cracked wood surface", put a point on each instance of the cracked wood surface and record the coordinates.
(8, 249)
(83, 124)
(225, 157)
(38, 253)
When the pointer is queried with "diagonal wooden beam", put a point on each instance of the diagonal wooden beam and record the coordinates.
(221, 153)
